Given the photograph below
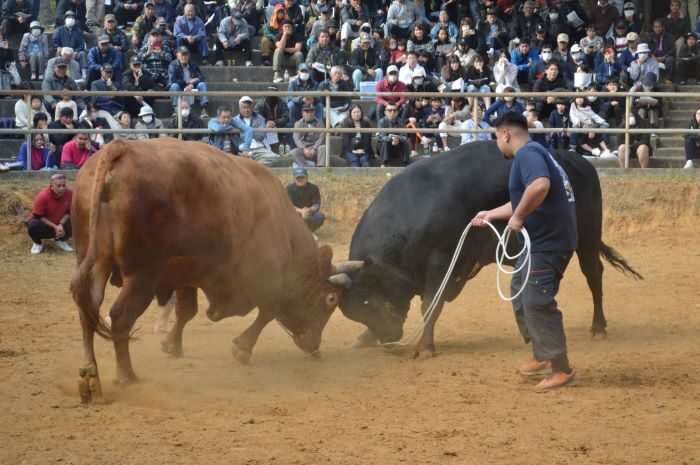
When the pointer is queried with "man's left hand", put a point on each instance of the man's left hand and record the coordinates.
(515, 223)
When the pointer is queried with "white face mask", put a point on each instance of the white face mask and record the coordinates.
(546, 56)
(185, 112)
(418, 81)
(554, 16)
(629, 13)
(70, 22)
(633, 121)
(592, 98)
(304, 76)
(392, 78)
(147, 118)
(643, 56)
(36, 32)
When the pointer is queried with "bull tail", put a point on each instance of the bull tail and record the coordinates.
(83, 282)
(615, 259)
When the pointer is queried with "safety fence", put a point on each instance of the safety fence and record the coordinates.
(328, 130)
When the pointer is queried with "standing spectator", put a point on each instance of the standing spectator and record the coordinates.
(401, 16)
(144, 23)
(156, 58)
(190, 33)
(102, 54)
(688, 59)
(117, 38)
(287, 50)
(58, 81)
(393, 148)
(306, 199)
(692, 142)
(70, 35)
(603, 16)
(108, 83)
(356, 148)
(127, 11)
(260, 149)
(366, 63)
(50, 218)
(233, 34)
(222, 134)
(663, 49)
(147, 120)
(65, 121)
(276, 114)
(309, 147)
(185, 75)
(189, 121)
(34, 50)
(339, 104)
(76, 152)
(640, 144)
(303, 83)
(323, 55)
(137, 79)
(40, 154)
(16, 16)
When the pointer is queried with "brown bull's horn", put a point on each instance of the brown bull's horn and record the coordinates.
(341, 279)
(348, 266)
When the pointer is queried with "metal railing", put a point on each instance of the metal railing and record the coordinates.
(328, 130)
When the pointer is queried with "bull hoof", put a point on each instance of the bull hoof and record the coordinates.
(423, 354)
(316, 355)
(601, 333)
(239, 353)
(124, 382)
(89, 386)
(364, 340)
(172, 349)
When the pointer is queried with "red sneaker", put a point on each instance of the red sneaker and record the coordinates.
(558, 380)
(535, 367)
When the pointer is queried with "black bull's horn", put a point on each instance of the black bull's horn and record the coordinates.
(349, 266)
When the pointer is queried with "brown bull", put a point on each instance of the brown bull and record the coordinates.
(163, 216)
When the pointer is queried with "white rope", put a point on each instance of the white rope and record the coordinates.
(501, 255)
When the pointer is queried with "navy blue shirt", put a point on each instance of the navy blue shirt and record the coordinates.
(552, 225)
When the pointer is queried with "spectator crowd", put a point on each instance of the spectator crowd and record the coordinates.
(445, 46)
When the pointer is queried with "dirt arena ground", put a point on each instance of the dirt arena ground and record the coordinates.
(639, 401)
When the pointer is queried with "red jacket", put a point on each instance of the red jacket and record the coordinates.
(384, 86)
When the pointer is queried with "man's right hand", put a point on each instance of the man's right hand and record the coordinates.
(225, 44)
(480, 219)
(59, 231)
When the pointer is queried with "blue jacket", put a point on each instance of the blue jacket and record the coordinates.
(607, 71)
(64, 37)
(182, 29)
(217, 138)
(96, 59)
(112, 105)
(21, 162)
(499, 107)
(295, 85)
(176, 74)
(521, 61)
(166, 10)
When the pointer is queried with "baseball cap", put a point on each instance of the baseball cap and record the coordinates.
(150, 3)
(539, 27)
(307, 107)
(392, 69)
(621, 23)
(332, 24)
(103, 39)
(628, 6)
(300, 172)
(156, 32)
(364, 38)
(59, 62)
(575, 48)
(691, 34)
(66, 111)
(107, 67)
(325, 9)
(161, 20)
(183, 49)
(135, 60)
(245, 99)
(632, 36)
(303, 67)
(418, 72)
(69, 13)
(110, 17)
(563, 38)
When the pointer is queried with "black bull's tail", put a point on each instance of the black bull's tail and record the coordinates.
(83, 281)
(615, 259)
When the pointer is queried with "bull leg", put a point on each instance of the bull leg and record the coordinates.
(185, 310)
(243, 344)
(592, 268)
(366, 339)
(426, 344)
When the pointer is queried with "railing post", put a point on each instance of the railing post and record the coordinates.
(628, 105)
(328, 131)
(179, 118)
(28, 102)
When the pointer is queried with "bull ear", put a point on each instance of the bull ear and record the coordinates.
(349, 266)
(341, 279)
(332, 299)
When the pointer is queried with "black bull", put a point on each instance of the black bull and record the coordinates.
(407, 237)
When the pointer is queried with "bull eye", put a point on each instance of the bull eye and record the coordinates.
(366, 302)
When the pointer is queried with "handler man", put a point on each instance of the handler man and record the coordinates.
(50, 217)
(541, 201)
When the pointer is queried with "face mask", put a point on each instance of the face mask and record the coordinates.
(508, 99)
(576, 56)
(147, 118)
(554, 16)
(185, 112)
(418, 81)
(70, 22)
(629, 13)
(392, 46)
(633, 121)
(643, 56)
(392, 78)
(592, 98)
(36, 32)
(546, 56)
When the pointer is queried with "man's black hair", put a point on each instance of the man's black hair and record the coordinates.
(511, 119)
(41, 116)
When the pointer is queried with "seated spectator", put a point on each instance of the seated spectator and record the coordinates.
(591, 144)
(692, 142)
(322, 22)
(24, 115)
(65, 102)
(156, 58)
(356, 148)
(396, 50)
(592, 38)
(648, 108)
(250, 14)
(551, 81)
(524, 57)
(540, 38)
(117, 38)
(569, 7)
(444, 22)
(366, 63)
(505, 73)
(189, 33)
(259, 146)
(73, 70)
(124, 120)
(524, 22)
(538, 69)
(50, 218)
(34, 50)
(339, 104)
(453, 76)
(630, 16)
(465, 52)
(406, 71)
(612, 109)
(294, 13)
(444, 48)
(582, 116)
(7, 60)
(591, 57)
(663, 49)
(109, 104)
(310, 149)
(287, 50)
(303, 83)
(619, 37)
(603, 16)
(76, 152)
(306, 199)
(561, 53)
(475, 122)
(533, 121)
(102, 54)
(233, 34)
(390, 83)
(401, 16)
(41, 156)
(270, 34)
(168, 36)
(165, 10)
(70, 35)
(494, 34)
(127, 11)
(145, 23)
(93, 120)
(189, 121)
(276, 114)
(503, 105)
(199, 8)
(146, 119)
(640, 145)
(185, 75)
(676, 24)
(427, 61)
(420, 40)
(323, 55)
(393, 148)
(478, 78)
(433, 115)
(688, 59)
(137, 79)
(610, 69)
(352, 17)
(644, 69)
(223, 132)
(15, 17)
(559, 118)
(58, 81)
(421, 83)
(452, 120)
(41, 121)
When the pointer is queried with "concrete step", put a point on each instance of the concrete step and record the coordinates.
(654, 162)
(671, 141)
(671, 152)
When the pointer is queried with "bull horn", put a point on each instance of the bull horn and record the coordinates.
(341, 279)
(349, 266)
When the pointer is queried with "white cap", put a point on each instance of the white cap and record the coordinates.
(575, 48)
(418, 72)
(392, 69)
(643, 48)
(245, 99)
